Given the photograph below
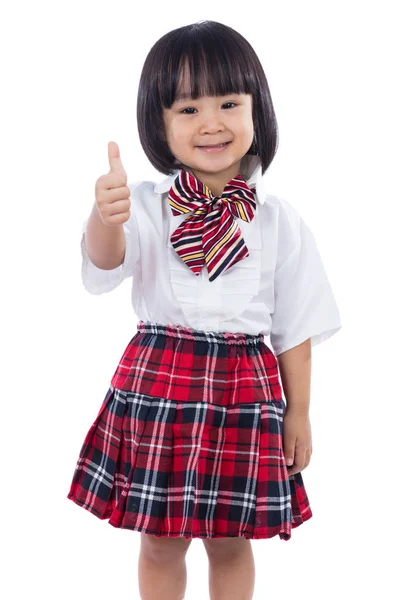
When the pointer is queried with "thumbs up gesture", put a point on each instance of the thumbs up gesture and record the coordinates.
(111, 191)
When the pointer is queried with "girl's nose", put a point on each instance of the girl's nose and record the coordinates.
(211, 124)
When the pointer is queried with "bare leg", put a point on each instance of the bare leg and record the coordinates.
(162, 568)
(231, 569)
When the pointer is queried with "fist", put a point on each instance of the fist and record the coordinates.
(111, 191)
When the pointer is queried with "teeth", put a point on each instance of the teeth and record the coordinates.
(219, 146)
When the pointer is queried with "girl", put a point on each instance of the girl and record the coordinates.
(194, 438)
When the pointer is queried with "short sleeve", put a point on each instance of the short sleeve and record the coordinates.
(305, 306)
(99, 281)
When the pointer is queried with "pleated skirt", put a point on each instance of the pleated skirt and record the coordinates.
(188, 440)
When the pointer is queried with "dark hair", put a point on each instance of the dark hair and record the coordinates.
(221, 62)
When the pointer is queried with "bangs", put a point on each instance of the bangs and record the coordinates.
(201, 63)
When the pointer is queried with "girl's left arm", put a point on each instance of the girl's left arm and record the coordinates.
(295, 370)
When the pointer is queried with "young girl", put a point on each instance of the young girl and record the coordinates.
(194, 438)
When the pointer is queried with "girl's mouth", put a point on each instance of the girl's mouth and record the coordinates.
(218, 148)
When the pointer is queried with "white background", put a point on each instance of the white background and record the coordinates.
(69, 73)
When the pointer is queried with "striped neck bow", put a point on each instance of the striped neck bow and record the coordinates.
(211, 234)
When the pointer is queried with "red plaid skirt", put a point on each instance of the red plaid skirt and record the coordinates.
(188, 440)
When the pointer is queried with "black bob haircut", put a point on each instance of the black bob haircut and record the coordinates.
(220, 62)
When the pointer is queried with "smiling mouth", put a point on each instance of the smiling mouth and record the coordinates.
(215, 145)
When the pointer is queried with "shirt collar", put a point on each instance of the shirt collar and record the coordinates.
(250, 171)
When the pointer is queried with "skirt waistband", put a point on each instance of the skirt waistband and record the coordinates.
(222, 337)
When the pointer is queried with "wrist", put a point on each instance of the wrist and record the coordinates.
(299, 408)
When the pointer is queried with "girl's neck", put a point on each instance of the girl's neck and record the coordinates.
(216, 182)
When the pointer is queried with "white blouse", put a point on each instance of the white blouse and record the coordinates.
(280, 290)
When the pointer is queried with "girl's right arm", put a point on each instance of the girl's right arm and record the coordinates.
(104, 236)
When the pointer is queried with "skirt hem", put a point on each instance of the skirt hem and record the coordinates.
(283, 533)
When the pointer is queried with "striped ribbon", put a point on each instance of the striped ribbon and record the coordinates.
(211, 233)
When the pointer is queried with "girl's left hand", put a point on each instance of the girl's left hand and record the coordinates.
(297, 443)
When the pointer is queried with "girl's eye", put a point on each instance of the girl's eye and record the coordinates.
(191, 108)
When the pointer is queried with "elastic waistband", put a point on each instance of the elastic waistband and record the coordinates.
(222, 337)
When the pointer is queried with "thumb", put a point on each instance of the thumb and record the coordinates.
(114, 158)
(288, 451)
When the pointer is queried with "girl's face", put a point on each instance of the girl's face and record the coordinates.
(190, 125)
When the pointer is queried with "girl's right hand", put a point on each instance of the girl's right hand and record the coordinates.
(112, 192)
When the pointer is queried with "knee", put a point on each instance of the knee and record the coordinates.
(225, 549)
(163, 549)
